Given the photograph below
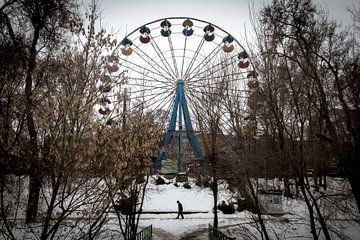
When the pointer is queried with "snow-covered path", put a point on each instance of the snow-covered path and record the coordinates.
(162, 198)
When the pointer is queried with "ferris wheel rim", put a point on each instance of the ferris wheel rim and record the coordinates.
(173, 73)
(149, 76)
(171, 18)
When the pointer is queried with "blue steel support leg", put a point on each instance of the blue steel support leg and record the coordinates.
(180, 89)
(181, 106)
(191, 135)
(168, 136)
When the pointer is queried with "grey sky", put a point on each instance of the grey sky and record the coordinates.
(232, 15)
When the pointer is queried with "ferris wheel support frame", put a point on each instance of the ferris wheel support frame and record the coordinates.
(180, 107)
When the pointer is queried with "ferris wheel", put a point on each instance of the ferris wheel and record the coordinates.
(168, 66)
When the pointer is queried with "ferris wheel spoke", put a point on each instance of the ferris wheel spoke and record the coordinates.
(149, 87)
(230, 78)
(148, 95)
(220, 107)
(164, 102)
(205, 61)
(140, 67)
(235, 91)
(183, 57)
(193, 59)
(238, 91)
(149, 104)
(202, 97)
(211, 70)
(227, 93)
(197, 106)
(153, 90)
(173, 57)
(213, 80)
(148, 79)
(194, 103)
(224, 124)
(221, 84)
(156, 63)
(194, 114)
(161, 56)
(160, 110)
(226, 116)
(218, 67)
(196, 98)
(199, 90)
(219, 110)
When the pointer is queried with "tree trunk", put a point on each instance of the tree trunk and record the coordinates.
(351, 168)
(35, 179)
(286, 186)
(320, 216)
(54, 194)
(33, 198)
(296, 187)
(311, 212)
(258, 208)
(7, 226)
(215, 195)
(316, 179)
(355, 186)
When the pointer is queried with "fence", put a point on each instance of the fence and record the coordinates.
(215, 234)
(145, 234)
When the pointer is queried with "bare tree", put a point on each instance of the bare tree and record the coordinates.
(31, 27)
(127, 154)
(331, 55)
(303, 84)
(62, 84)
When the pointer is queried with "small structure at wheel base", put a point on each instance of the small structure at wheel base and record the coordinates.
(271, 201)
(169, 168)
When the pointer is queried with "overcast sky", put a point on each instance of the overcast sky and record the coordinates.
(232, 15)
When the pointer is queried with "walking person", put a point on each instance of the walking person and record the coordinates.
(180, 210)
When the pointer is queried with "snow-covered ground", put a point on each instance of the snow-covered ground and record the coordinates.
(293, 224)
(198, 205)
